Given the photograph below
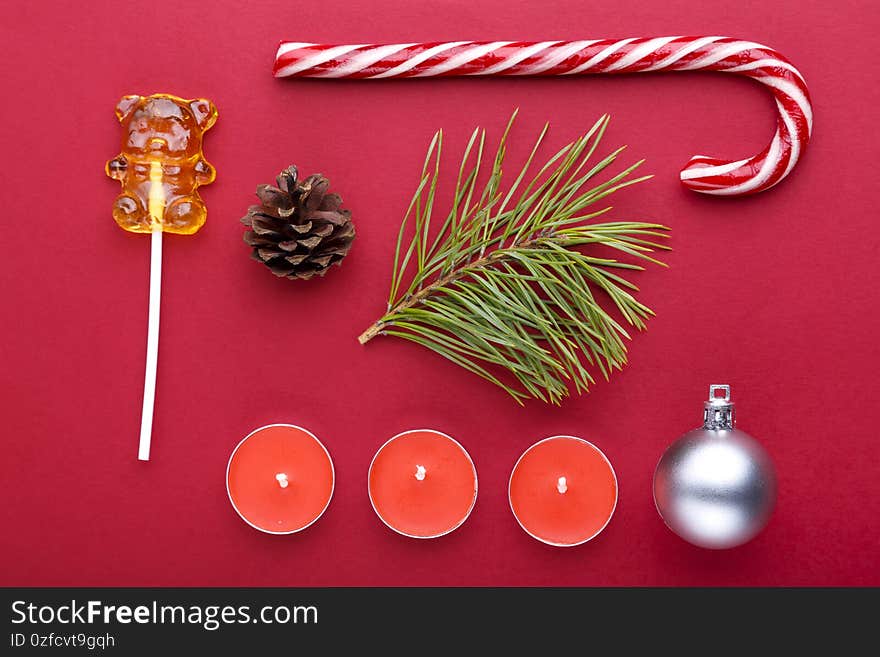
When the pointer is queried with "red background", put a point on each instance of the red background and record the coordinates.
(774, 294)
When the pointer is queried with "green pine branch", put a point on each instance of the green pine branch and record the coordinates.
(508, 282)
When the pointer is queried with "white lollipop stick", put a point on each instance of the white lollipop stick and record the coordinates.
(157, 210)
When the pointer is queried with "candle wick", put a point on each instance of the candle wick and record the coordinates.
(281, 478)
(420, 472)
(562, 485)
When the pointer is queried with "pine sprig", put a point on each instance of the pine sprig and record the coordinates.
(507, 282)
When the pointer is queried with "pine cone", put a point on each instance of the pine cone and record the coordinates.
(298, 230)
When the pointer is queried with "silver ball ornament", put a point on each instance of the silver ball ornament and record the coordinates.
(715, 486)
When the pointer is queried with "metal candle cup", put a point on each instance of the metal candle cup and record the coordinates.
(280, 479)
(422, 483)
(563, 491)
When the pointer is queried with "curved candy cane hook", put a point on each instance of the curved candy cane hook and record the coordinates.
(636, 55)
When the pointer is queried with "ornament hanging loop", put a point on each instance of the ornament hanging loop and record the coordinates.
(719, 413)
(713, 391)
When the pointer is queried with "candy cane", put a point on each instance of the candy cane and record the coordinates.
(713, 53)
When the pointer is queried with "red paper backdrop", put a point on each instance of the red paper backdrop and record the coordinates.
(774, 294)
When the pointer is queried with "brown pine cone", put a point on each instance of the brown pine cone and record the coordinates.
(298, 230)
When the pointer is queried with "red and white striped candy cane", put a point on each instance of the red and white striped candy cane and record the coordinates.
(637, 55)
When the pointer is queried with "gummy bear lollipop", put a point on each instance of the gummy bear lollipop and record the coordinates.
(160, 168)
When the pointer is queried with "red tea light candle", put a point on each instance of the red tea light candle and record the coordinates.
(563, 491)
(422, 484)
(280, 479)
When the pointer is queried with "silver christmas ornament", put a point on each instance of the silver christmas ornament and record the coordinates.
(715, 486)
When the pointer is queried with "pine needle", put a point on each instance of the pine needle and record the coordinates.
(507, 287)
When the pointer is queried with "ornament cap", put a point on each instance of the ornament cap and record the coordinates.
(719, 413)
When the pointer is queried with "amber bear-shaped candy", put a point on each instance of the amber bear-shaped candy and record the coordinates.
(162, 145)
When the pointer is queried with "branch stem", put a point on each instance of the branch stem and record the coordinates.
(425, 292)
